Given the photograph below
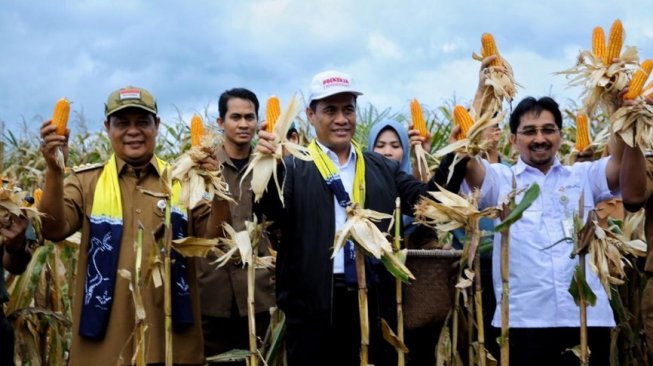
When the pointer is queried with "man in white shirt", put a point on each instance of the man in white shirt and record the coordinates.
(544, 318)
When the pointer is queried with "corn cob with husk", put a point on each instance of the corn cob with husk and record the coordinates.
(634, 121)
(498, 77)
(418, 123)
(608, 250)
(583, 139)
(264, 166)
(371, 240)
(60, 119)
(195, 181)
(603, 71)
(471, 141)
(272, 112)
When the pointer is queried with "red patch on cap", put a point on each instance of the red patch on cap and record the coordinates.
(130, 94)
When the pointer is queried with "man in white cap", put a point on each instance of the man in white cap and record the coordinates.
(318, 293)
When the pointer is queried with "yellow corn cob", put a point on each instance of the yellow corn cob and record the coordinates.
(196, 130)
(489, 48)
(649, 88)
(582, 132)
(272, 112)
(417, 117)
(639, 78)
(462, 118)
(60, 115)
(598, 43)
(615, 42)
(38, 193)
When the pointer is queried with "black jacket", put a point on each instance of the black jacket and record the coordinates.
(307, 225)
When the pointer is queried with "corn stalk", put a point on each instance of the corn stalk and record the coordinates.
(167, 300)
(584, 239)
(398, 286)
(362, 307)
(505, 296)
(251, 314)
(505, 281)
(478, 300)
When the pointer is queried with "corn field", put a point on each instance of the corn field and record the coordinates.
(40, 304)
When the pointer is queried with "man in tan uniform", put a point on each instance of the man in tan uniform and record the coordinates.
(223, 291)
(103, 309)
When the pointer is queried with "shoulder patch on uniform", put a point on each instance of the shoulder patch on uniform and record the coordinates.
(88, 166)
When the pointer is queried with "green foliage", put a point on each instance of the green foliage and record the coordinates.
(515, 213)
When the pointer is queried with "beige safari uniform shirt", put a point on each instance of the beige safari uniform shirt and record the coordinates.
(137, 207)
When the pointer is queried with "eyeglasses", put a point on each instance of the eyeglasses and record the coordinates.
(546, 131)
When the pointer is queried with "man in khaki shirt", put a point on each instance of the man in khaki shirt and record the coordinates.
(132, 125)
(223, 291)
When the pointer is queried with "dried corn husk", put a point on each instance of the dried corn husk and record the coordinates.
(634, 123)
(500, 85)
(607, 251)
(197, 182)
(474, 144)
(264, 166)
(449, 211)
(11, 204)
(238, 246)
(371, 240)
(602, 83)
(194, 247)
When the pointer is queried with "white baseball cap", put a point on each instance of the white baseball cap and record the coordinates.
(331, 82)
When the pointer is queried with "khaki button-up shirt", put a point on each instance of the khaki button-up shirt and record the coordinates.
(137, 207)
(219, 287)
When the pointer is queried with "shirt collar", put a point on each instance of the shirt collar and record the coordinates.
(334, 157)
(521, 166)
(123, 167)
(223, 158)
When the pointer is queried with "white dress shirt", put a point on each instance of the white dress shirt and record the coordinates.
(540, 272)
(347, 172)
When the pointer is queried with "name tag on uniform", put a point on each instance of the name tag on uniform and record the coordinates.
(568, 228)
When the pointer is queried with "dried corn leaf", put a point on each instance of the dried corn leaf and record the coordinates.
(238, 246)
(136, 295)
(194, 247)
(390, 337)
(607, 252)
(634, 123)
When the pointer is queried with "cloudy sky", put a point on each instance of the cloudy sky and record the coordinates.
(188, 52)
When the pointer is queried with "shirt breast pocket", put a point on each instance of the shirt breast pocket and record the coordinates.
(567, 201)
(530, 221)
